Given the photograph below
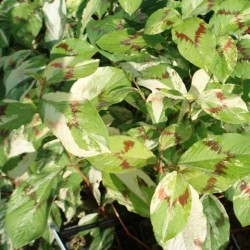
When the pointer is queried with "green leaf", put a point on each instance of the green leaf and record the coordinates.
(15, 114)
(192, 8)
(55, 20)
(195, 42)
(194, 233)
(73, 47)
(206, 182)
(226, 155)
(161, 20)
(97, 28)
(225, 58)
(88, 11)
(75, 123)
(218, 227)
(29, 206)
(133, 190)
(69, 68)
(242, 68)
(108, 85)
(130, 6)
(29, 22)
(224, 106)
(230, 17)
(120, 41)
(173, 135)
(170, 207)
(103, 240)
(241, 201)
(126, 155)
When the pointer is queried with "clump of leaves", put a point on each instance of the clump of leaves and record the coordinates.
(146, 103)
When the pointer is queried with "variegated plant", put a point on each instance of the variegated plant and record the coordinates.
(148, 98)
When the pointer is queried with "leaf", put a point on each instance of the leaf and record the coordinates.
(88, 11)
(69, 68)
(15, 114)
(28, 209)
(22, 73)
(133, 190)
(224, 106)
(130, 6)
(26, 22)
(126, 155)
(225, 58)
(195, 42)
(161, 78)
(170, 207)
(120, 41)
(103, 240)
(173, 135)
(199, 82)
(192, 8)
(55, 20)
(226, 155)
(242, 67)
(218, 227)
(230, 17)
(241, 201)
(194, 233)
(161, 20)
(75, 123)
(73, 47)
(108, 85)
(206, 182)
(97, 28)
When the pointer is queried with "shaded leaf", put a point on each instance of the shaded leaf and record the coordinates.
(126, 155)
(173, 135)
(28, 209)
(133, 190)
(15, 114)
(170, 207)
(241, 201)
(218, 227)
(224, 106)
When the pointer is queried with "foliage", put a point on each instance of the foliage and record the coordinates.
(147, 104)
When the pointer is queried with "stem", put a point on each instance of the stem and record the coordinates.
(126, 230)
(85, 179)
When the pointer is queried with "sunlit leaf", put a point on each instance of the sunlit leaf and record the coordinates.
(224, 106)
(130, 6)
(170, 207)
(126, 155)
(194, 233)
(75, 123)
